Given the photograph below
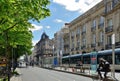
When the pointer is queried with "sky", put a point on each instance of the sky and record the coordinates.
(62, 11)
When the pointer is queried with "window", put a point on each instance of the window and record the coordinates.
(101, 20)
(94, 23)
(94, 39)
(114, 2)
(84, 41)
(78, 31)
(84, 28)
(109, 39)
(109, 6)
(110, 22)
(78, 43)
(72, 33)
(72, 45)
(101, 37)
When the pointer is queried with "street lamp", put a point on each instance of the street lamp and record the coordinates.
(61, 57)
(69, 57)
(53, 55)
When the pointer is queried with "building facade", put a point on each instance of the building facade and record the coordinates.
(93, 30)
(66, 38)
(44, 50)
(61, 43)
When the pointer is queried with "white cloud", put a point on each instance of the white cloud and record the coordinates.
(36, 27)
(34, 42)
(59, 21)
(77, 5)
(47, 27)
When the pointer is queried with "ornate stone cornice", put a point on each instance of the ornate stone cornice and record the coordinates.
(87, 14)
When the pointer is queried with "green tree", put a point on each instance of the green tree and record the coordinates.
(14, 21)
(14, 24)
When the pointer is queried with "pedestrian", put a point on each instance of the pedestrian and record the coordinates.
(104, 66)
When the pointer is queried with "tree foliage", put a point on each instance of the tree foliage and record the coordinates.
(14, 23)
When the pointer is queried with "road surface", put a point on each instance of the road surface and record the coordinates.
(40, 74)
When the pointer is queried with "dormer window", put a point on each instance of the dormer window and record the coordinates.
(114, 2)
(44, 36)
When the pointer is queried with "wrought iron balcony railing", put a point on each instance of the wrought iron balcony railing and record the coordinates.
(93, 28)
(93, 45)
(100, 43)
(83, 32)
(101, 25)
(109, 29)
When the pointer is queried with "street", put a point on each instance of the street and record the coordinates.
(39, 74)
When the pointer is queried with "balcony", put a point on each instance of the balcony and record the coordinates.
(77, 34)
(115, 3)
(109, 29)
(101, 26)
(83, 47)
(108, 46)
(93, 28)
(100, 43)
(72, 37)
(93, 45)
(72, 49)
(66, 45)
(109, 10)
(77, 48)
(83, 32)
(117, 44)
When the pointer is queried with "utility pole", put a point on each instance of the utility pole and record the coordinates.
(113, 55)
(53, 55)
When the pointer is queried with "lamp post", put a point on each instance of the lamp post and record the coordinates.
(113, 55)
(61, 57)
(69, 57)
(53, 55)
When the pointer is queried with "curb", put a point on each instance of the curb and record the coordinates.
(82, 74)
(16, 77)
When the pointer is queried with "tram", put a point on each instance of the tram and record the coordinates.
(72, 60)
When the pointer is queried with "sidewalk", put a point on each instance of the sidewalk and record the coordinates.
(88, 73)
(16, 77)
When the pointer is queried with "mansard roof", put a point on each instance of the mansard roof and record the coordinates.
(44, 36)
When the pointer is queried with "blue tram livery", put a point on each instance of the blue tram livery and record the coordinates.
(72, 60)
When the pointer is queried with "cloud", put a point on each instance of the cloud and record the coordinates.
(34, 42)
(77, 5)
(36, 27)
(58, 21)
(47, 27)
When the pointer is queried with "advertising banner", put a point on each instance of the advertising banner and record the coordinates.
(93, 62)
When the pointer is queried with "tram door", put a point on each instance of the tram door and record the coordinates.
(93, 58)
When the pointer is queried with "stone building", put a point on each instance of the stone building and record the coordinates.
(44, 50)
(93, 29)
(66, 38)
(61, 43)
